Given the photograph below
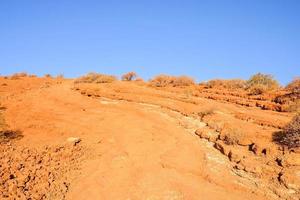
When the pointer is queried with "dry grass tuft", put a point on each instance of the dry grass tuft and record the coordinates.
(95, 78)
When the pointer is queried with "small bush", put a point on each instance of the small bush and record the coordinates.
(260, 83)
(228, 84)
(233, 136)
(130, 76)
(18, 75)
(294, 86)
(47, 76)
(291, 137)
(95, 78)
(166, 80)
(8, 135)
(161, 80)
(183, 81)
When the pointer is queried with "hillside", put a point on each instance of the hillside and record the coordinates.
(130, 140)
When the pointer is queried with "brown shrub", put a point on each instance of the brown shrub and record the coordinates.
(233, 136)
(166, 80)
(294, 86)
(291, 133)
(183, 81)
(47, 76)
(260, 83)
(228, 84)
(129, 76)
(18, 75)
(8, 135)
(161, 80)
(95, 78)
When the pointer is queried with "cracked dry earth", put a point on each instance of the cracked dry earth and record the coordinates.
(136, 143)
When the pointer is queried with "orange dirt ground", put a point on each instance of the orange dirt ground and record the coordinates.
(127, 140)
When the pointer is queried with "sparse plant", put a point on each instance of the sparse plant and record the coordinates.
(166, 80)
(18, 75)
(291, 133)
(130, 76)
(47, 76)
(161, 80)
(228, 84)
(294, 86)
(95, 78)
(260, 83)
(233, 136)
(183, 81)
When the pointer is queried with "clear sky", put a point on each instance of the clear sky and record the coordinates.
(203, 39)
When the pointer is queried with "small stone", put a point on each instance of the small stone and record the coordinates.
(73, 140)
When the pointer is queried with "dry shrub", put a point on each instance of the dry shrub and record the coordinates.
(18, 75)
(233, 136)
(95, 78)
(291, 133)
(166, 80)
(130, 76)
(228, 84)
(294, 86)
(183, 81)
(260, 83)
(47, 76)
(8, 135)
(161, 80)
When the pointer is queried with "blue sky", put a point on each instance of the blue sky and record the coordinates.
(203, 39)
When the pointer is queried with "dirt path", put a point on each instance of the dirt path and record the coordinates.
(138, 151)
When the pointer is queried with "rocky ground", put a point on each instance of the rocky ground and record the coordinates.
(140, 142)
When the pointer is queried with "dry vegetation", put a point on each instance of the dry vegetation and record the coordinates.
(228, 84)
(95, 78)
(260, 83)
(291, 133)
(18, 75)
(174, 81)
(130, 76)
